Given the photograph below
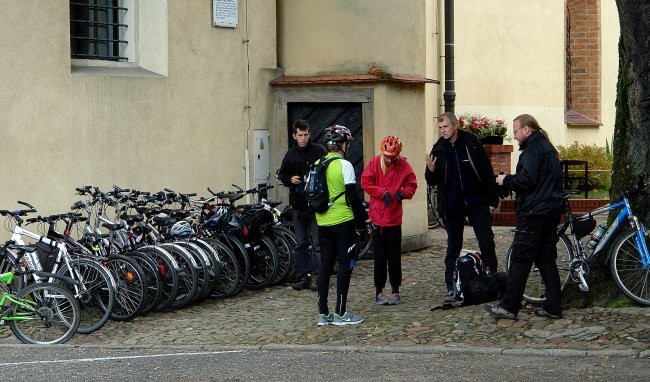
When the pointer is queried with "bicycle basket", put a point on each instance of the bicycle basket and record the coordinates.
(583, 226)
(47, 255)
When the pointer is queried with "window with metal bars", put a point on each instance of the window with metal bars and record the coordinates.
(97, 30)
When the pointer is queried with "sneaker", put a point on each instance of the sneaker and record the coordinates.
(394, 299)
(380, 300)
(497, 311)
(451, 296)
(347, 319)
(324, 319)
(303, 283)
(542, 313)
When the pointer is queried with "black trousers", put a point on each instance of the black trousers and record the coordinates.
(388, 253)
(481, 220)
(337, 242)
(304, 223)
(534, 243)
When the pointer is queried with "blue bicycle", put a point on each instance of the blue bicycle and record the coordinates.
(628, 254)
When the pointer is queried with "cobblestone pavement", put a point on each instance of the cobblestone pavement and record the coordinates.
(282, 316)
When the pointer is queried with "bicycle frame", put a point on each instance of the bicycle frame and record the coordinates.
(62, 253)
(7, 297)
(622, 217)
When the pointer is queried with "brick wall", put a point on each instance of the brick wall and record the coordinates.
(500, 157)
(583, 57)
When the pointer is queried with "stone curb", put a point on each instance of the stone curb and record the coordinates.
(364, 349)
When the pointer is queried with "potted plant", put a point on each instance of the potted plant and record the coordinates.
(488, 131)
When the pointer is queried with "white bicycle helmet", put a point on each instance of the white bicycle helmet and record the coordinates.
(181, 228)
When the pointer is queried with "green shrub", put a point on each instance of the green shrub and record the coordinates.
(599, 158)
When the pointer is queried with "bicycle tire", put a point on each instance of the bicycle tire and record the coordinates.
(627, 269)
(264, 263)
(535, 291)
(168, 272)
(131, 286)
(227, 283)
(154, 284)
(187, 277)
(241, 253)
(434, 219)
(214, 270)
(203, 281)
(365, 240)
(290, 237)
(53, 318)
(97, 295)
(285, 257)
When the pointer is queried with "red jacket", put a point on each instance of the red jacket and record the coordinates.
(399, 177)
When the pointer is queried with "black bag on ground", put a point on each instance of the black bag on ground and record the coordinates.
(316, 191)
(472, 282)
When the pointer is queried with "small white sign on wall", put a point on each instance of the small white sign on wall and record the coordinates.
(225, 13)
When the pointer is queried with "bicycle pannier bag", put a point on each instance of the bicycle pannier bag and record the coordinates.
(316, 191)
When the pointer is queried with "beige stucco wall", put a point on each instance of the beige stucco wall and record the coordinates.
(510, 60)
(185, 129)
(347, 37)
(344, 37)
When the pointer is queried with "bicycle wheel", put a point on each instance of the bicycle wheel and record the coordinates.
(290, 237)
(96, 295)
(154, 284)
(627, 268)
(49, 315)
(535, 291)
(432, 208)
(168, 271)
(264, 263)
(241, 253)
(285, 257)
(131, 287)
(187, 277)
(204, 270)
(365, 240)
(226, 284)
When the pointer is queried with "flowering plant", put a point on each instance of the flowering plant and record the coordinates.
(482, 126)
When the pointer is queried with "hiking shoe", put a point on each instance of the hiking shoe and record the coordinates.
(380, 300)
(324, 319)
(303, 283)
(347, 319)
(540, 312)
(394, 299)
(451, 296)
(497, 311)
(313, 285)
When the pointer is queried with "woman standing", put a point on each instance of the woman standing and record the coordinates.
(388, 179)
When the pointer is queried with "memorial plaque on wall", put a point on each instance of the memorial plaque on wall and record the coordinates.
(224, 13)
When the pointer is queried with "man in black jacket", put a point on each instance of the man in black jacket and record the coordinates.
(295, 166)
(460, 167)
(538, 186)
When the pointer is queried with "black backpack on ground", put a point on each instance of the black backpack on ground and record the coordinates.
(316, 191)
(475, 285)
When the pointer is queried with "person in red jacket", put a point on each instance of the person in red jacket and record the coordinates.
(388, 179)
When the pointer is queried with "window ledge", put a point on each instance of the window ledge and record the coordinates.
(110, 69)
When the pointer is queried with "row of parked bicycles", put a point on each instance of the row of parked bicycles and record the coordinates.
(124, 253)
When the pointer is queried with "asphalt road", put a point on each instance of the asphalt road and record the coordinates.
(306, 364)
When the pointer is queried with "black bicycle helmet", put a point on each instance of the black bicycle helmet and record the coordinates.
(337, 134)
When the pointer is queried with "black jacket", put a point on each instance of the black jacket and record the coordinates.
(476, 174)
(538, 179)
(296, 162)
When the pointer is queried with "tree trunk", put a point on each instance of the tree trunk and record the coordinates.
(631, 143)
